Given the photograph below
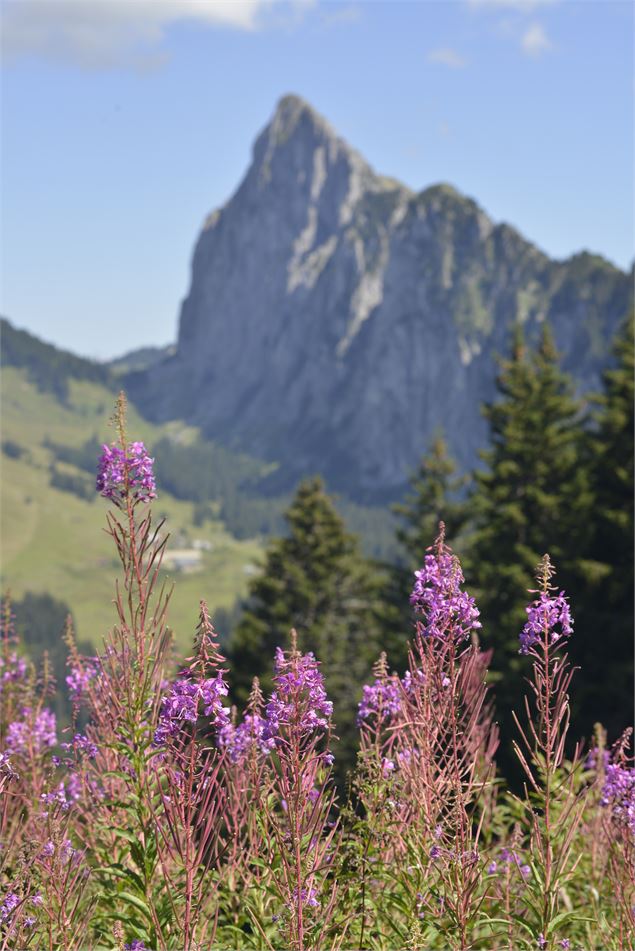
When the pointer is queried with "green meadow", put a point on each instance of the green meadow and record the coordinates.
(50, 540)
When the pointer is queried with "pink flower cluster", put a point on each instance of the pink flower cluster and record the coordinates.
(182, 703)
(80, 677)
(13, 670)
(241, 740)
(546, 615)
(618, 794)
(299, 701)
(32, 733)
(381, 699)
(132, 470)
(447, 611)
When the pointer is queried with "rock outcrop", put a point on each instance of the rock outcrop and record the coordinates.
(335, 318)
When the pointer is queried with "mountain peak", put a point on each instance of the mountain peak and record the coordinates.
(297, 137)
(336, 319)
(292, 110)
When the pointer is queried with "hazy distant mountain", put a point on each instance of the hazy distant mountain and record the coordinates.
(336, 318)
(48, 367)
(141, 359)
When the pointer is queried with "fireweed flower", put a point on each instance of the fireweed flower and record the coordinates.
(437, 597)
(508, 857)
(381, 699)
(249, 735)
(80, 677)
(38, 733)
(308, 897)
(10, 903)
(405, 758)
(547, 614)
(410, 682)
(81, 744)
(13, 669)
(57, 797)
(112, 467)
(182, 703)
(618, 794)
(74, 787)
(299, 701)
(594, 761)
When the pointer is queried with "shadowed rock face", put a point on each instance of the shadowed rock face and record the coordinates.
(335, 318)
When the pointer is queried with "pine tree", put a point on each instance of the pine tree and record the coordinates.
(603, 644)
(316, 581)
(434, 497)
(530, 499)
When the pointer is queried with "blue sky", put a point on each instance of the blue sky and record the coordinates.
(124, 124)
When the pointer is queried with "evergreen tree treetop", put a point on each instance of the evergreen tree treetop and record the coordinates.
(434, 497)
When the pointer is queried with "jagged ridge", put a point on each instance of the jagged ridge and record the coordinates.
(335, 318)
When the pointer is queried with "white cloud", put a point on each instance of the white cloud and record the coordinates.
(98, 34)
(446, 56)
(341, 15)
(535, 41)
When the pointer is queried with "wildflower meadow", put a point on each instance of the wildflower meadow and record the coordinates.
(161, 818)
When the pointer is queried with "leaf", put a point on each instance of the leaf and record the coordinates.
(126, 874)
(562, 917)
(137, 903)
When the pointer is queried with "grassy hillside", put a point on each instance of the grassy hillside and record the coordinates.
(52, 540)
(55, 412)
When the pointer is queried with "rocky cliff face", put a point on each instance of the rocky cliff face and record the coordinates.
(335, 318)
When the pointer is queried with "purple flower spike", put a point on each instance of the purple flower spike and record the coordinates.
(80, 677)
(381, 699)
(10, 903)
(182, 703)
(249, 735)
(546, 615)
(13, 669)
(618, 794)
(37, 733)
(447, 611)
(299, 702)
(135, 463)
